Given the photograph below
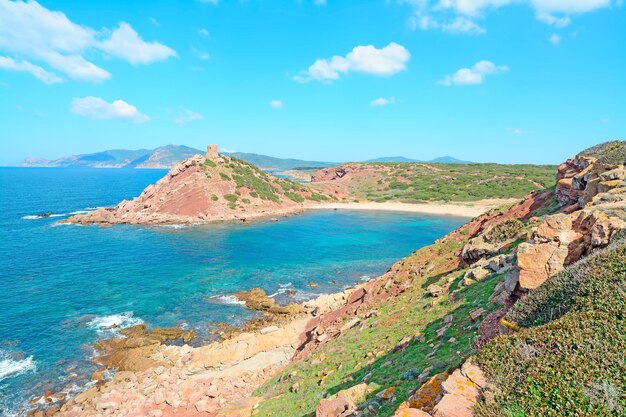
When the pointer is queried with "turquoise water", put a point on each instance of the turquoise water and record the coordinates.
(63, 285)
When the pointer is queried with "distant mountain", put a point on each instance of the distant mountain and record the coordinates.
(449, 160)
(271, 163)
(440, 160)
(393, 159)
(161, 157)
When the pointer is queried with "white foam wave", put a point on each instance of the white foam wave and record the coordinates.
(108, 325)
(79, 212)
(12, 367)
(282, 288)
(173, 226)
(39, 216)
(228, 299)
(365, 277)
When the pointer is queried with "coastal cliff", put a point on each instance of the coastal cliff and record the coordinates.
(518, 312)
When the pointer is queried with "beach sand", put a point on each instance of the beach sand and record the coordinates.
(469, 209)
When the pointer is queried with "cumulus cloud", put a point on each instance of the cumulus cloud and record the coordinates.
(474, 75)
(462, 16)
(32, 32)
(98, 109)
(382, 101)
(184, 116)
(125, 43)
(364, 59)
(276, 104)
(41, 74)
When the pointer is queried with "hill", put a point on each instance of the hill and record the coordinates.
(419, 182)
(271, 163)
(161, 157)
(207, 188)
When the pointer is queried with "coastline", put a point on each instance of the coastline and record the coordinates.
(469, 209)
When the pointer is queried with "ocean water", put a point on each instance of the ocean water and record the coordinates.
(64, 286)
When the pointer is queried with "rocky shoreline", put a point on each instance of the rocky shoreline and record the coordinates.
(153, 378)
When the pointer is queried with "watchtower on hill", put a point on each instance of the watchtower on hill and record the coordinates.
(211, 152)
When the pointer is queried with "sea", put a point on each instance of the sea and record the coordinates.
(64, 287)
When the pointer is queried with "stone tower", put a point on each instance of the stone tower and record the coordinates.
(211, 152)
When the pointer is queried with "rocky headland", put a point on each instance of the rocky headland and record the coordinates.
(518, 312)
(207, 188)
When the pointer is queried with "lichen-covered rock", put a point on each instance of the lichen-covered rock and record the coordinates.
(427, 396)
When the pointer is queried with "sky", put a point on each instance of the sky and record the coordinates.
(509, 81)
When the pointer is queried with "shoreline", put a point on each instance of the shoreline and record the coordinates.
(469, 209)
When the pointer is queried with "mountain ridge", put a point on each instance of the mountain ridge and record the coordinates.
(165, 157)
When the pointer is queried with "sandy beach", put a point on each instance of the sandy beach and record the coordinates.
(469, 209)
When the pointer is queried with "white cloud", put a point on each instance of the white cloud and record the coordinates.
(276, 104)
(154, 22)
(382, 101)
(41, 74)
(203, 32)
(555, 39)
(551, 20)
(200, 54)
(460, 16)
(365, 59)
(98, 109)
(515, 131)
(30, 31)
(319, 2)
(474, 75)
(184, 116)
(125, 43)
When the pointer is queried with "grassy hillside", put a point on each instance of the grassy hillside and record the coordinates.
(252, 184)
(393, 347)
(415, 182)
(568, 360)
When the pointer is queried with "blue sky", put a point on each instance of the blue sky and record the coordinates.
(485, 80)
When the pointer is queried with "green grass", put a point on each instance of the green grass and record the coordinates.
(415, 182)
(568, 359)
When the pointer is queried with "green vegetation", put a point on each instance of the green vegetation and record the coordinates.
(208, 164)
(249, 176)
(214, 197)
(225, 177)
(568, 359)
(294, 197)
(370, 352)
(504, 231)
(415, 182)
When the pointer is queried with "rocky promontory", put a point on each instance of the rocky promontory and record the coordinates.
(212, 187)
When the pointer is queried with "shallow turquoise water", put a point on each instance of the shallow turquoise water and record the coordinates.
(63, 285)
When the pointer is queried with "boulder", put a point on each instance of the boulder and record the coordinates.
(462, 389)
(342, 404)
(435, 290)
(410, 412)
